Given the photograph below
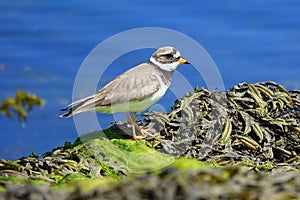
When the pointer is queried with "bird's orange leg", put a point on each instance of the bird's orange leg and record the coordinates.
(144, 134)
(134, 125)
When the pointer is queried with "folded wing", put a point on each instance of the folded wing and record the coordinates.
(135, 84)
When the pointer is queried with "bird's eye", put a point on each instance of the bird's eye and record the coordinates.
(169, 55)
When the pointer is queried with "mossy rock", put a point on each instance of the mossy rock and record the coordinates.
(133, 156)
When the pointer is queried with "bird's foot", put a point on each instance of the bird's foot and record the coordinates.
(144, 133)
(139, 137)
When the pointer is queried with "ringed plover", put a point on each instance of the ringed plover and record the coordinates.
(134, 90)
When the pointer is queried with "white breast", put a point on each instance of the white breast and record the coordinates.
(134, 106)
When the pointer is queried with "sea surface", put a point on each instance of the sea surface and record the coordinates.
(43, 43)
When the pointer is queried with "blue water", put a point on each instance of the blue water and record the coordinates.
(43, 43)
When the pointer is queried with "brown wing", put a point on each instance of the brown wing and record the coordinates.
(137, 83)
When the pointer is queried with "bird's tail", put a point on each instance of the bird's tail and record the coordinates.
(74, 108)
(69, 113)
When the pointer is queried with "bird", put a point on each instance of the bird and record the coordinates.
(134, 90)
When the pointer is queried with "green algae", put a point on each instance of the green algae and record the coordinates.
(88, 137)
(109, 172)
(21, 180)
(68, 180)
(13, 165)
(88, 157)
(184, 164)
(132, 145)
(134, 156)
(109, 133)
(55, 177)
(263, 166)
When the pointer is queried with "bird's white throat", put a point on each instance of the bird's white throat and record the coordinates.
(165, 66)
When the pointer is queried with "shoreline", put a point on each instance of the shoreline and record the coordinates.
(240, 143)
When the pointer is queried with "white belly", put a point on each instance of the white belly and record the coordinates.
(135, 106)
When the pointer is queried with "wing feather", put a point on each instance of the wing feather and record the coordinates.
(135, 84)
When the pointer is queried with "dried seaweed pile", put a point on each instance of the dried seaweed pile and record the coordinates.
(56, 166)
(257, 122)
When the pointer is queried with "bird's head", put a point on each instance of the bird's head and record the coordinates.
(167, 58)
